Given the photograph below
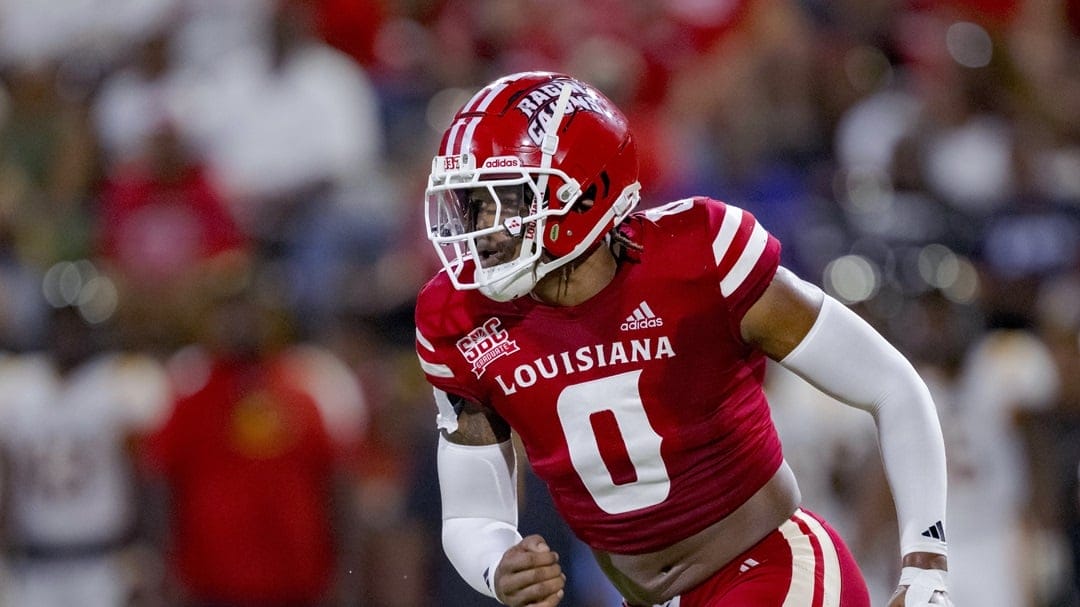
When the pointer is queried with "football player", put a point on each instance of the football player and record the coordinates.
(627, 351)
(70, 416)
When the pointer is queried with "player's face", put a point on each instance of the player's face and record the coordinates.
(482, 210)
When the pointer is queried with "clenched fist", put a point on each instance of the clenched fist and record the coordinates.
(529, 575)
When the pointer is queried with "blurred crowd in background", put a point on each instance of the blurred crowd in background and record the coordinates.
(211, 236)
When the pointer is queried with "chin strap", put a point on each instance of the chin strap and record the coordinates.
(548, 146)
(550, 143)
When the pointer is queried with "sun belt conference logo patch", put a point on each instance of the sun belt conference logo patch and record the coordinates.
(486, 343)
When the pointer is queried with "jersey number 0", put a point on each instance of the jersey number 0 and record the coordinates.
(597, 445)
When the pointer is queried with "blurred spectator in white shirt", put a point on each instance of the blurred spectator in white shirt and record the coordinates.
(135, 100)
(89, 32)
(288, 118)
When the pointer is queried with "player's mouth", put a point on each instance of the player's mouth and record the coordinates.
(496, 251)
(492, 256)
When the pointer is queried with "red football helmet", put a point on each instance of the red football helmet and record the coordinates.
(519, 140)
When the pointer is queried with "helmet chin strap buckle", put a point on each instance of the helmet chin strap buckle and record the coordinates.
(568, 191)
(627, 201)
(550, 144)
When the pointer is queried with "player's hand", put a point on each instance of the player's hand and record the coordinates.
(529, 575)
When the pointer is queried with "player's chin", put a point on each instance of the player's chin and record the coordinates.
(496, 256)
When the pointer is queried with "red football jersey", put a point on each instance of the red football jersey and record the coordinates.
(641, 408)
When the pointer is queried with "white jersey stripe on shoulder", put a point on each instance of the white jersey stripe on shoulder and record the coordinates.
(728, 227)
(747, 260)
(424, 341)
(830, 560)
(801, 591)
(435, 369)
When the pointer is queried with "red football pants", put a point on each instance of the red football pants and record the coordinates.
(804, 563)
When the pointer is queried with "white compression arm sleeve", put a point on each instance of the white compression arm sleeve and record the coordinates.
(478, 485)
(846, 358)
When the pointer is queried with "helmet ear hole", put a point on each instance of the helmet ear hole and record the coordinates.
(586, 201)
(589, 196)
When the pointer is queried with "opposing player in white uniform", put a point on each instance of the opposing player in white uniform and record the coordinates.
(1005, 372)
(65, 423)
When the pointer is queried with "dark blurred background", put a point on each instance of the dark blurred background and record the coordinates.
(211, 237)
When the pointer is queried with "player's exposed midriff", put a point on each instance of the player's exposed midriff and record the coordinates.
(654, 577)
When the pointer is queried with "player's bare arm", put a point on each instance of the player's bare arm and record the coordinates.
(779, 322)
(477, 426)
(783, 316)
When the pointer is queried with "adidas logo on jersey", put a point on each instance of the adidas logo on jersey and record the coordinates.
(641, 318)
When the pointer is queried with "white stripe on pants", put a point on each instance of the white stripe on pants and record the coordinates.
(804, 563)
